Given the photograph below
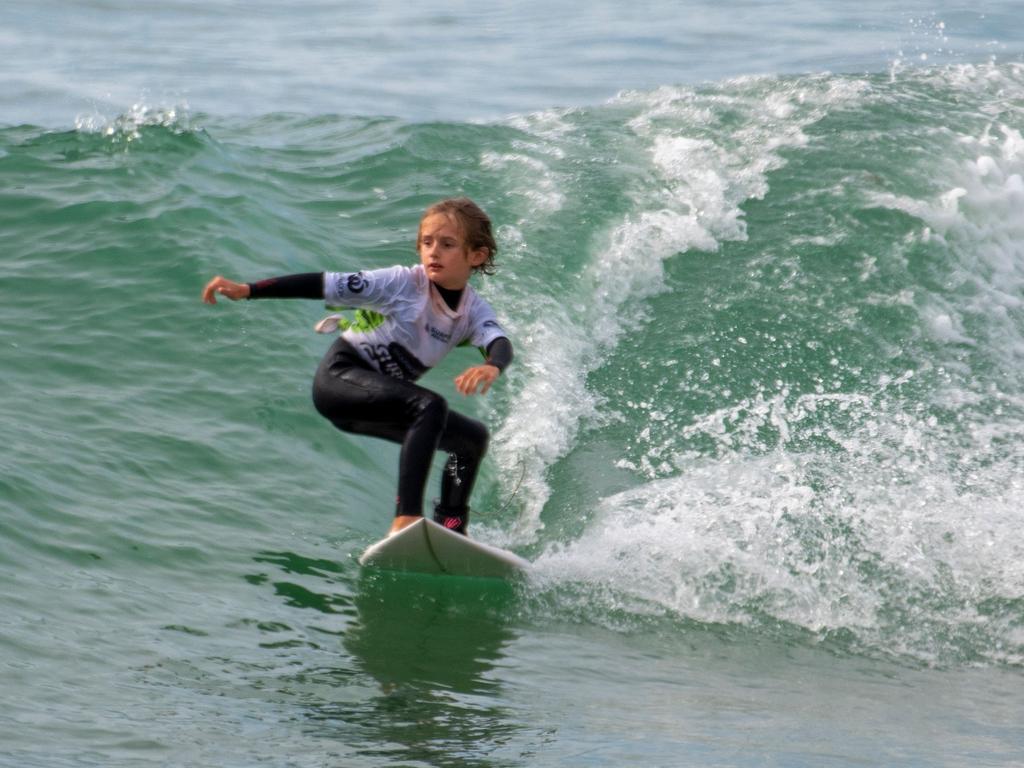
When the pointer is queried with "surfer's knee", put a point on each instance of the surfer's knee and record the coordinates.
(466, 438)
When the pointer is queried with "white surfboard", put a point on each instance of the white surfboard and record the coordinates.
(426, 547)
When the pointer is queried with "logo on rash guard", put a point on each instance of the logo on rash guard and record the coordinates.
(437, 333)
(356, 282)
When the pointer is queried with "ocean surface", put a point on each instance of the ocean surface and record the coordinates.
(763, 440)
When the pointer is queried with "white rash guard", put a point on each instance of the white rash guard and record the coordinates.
(409, 327)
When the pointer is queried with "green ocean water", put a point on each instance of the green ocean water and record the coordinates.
(762, 438)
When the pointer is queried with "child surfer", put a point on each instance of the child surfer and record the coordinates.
(365, 382)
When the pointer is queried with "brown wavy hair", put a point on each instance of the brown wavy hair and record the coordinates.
(475, 226)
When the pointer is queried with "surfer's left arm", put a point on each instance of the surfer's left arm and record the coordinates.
(499, 355)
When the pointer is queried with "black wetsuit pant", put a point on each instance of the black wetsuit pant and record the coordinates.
(356, 398)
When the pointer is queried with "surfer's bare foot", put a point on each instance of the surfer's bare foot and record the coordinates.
(402, 521)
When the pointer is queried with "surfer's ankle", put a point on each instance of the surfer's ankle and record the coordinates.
(453, 518)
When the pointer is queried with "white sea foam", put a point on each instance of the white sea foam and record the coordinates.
(532, 179)
(526, 170)
(979, 216)
(128, 126)
(699, 169)
(879, 535)
(873, 514)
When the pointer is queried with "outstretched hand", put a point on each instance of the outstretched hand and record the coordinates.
(224, 287)
(478, 377)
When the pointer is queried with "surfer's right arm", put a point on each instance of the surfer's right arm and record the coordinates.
(308, 285)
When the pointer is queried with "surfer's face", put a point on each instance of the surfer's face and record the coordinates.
(444, 254)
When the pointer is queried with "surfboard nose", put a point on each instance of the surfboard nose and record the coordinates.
(427, 547)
